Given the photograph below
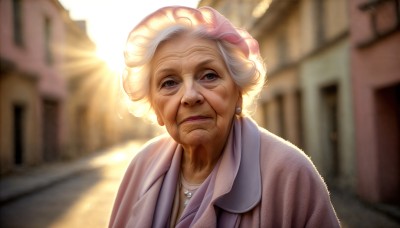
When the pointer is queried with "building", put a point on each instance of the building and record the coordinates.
(375, 69)
(325, 85)
(58, 100)
(97, 117)
(33, 89)
(239, 12)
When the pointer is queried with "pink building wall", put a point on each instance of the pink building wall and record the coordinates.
(375, 70)
(29, 64)
(31, 58)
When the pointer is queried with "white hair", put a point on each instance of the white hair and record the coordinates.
(248, 74)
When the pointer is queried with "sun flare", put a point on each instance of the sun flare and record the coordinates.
(110, 32)
(113, 58)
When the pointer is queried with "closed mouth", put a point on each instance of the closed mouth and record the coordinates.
(194, 118)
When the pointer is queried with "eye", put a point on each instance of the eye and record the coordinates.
(168, 83)
(209, 76)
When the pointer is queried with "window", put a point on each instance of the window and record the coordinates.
(47, 41)
(319, 19)
(384, 19)
(17, 22)
(282, 50)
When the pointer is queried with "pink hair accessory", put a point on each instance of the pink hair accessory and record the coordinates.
(215, 24)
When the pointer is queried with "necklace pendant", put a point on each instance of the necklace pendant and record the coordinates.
(188, 190)
(188, 194)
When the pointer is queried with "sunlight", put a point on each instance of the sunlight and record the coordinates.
(113, 57)
(110, 21)
(97, 81)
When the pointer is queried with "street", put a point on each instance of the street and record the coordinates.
(86, 198)
(83, 201)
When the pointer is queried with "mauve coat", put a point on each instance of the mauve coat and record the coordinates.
(260, 181)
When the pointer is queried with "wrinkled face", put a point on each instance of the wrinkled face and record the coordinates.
(192, 91)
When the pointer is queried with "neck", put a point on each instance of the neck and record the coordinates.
(199, 160)
(197, 163)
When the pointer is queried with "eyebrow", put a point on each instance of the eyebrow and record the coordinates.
(170, 69)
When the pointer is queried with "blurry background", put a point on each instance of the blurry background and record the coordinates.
(333, 87)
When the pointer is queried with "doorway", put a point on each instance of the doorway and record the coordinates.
(50, 130)
(387, 122)
(19, 116)
(329, 132)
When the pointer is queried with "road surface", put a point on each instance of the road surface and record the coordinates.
(83, 200)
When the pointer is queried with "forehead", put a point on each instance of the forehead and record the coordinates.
(186, 46)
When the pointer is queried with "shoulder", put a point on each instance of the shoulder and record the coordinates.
(288, 175)
(276, 148)
(152, 160)
(153, 155)
(280, 157)
(152, 147)
(151, 151)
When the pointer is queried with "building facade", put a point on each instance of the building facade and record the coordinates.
(33, 90)
(58, 99)
(97, 116)
(375, 69)
(325, 85)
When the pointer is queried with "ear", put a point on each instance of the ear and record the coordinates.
(159, 120)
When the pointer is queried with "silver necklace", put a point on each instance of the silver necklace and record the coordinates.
(188, 189)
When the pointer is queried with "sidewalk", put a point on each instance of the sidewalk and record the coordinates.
(33, 179)
(353, 212)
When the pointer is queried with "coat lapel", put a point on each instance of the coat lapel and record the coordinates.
(142, 212)
(238, 179)
(245, 191)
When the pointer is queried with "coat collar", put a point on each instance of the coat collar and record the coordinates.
(164, 148)
(238, 180)
(241, 190)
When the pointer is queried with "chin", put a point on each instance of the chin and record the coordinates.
(197, 138)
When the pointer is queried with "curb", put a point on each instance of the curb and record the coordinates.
(39, 178)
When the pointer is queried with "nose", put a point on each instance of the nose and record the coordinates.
(191, 95)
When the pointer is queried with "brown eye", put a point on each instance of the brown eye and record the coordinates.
(168, 83)
(209, 76)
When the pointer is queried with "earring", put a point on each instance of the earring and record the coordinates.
(238, 110)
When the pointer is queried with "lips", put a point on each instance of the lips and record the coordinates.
(194, 118)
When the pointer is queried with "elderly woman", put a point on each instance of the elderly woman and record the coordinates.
(216, 167)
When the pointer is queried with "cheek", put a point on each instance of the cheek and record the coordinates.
(223, 101)
(165, 109)
(158, 112)
(158, 106)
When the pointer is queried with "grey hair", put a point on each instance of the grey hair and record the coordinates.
(248, 74)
